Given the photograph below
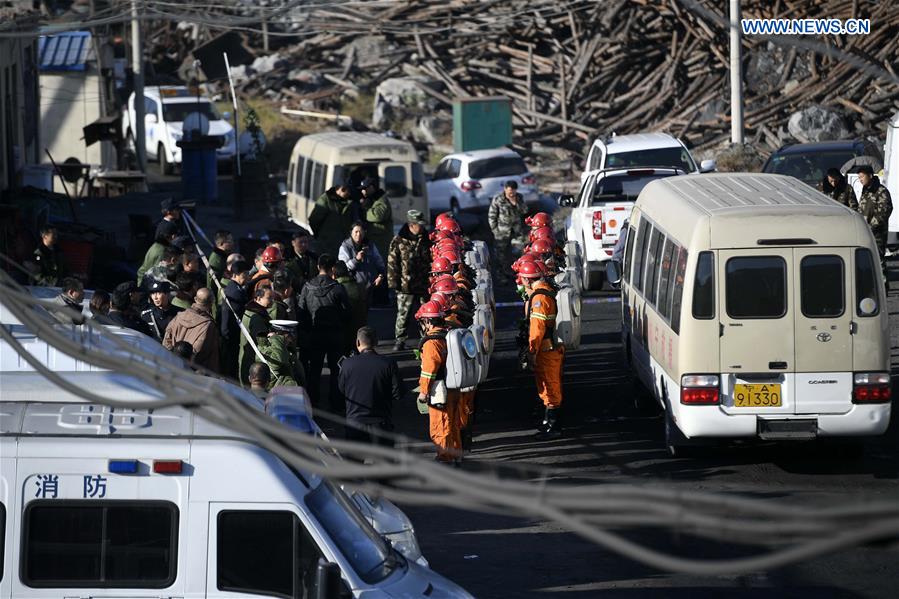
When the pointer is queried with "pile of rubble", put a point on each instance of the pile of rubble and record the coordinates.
(574, 69)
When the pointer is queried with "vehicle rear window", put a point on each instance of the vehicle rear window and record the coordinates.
(501, 166)
(808, 167)
(641, 247)
(756, 287)
(673, 157)
(177, 112)
(866, 283)
(704, 287)
(652, 265)
(104, 544)
(822, 290)
(621, 188)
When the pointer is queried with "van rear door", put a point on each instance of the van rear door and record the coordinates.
(397, 183)
(757, 348)
(823, 320)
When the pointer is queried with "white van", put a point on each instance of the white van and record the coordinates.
(323, 160)
(98, 501)
(754, 306)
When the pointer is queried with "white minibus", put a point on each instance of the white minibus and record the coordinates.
(754, 306)
(323, 160)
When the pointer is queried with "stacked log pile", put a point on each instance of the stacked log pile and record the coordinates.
(578, 68)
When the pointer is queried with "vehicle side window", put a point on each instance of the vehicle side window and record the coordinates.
(866, 284)
(395, 181)
(821, 286)
(441, 172)
(418, 179)
(318, 179)
(453, 168)
(652, 265)
(595, 157)
(665, 272)
(628, 254)
(100, 544)
(756, 287)
(265, 552)
(298, 177)
(290, 171)
(307, 180)
(704, 287)
(642, 247)
(150, 106)
(677, 293)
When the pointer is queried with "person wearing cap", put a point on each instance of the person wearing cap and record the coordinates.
(279, 350)
(876, 205)
(377, 213)
(166, 233)
(120, 309)
(506, 220)
(408, 262)
(301, 262)
(171, 213)
(255, 320)
(331, 218)
(161, 311)
(196, 326)
(837, 187)
(270, 261)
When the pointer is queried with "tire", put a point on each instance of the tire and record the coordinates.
(164, 167)
(675, 441)
(593, 279)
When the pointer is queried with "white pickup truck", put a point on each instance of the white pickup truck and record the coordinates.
(166, 108)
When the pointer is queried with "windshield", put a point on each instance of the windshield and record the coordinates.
(502, 166)
(676, 157)
(809, 168)
(621, 188)
(177, 112)
(368, 554)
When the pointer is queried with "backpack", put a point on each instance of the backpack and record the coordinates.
(567, 328)
(483, 316)
(462, 367)
(483, 338)
(480, 248)
(475, 260)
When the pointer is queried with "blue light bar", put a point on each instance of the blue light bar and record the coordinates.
(123, 466)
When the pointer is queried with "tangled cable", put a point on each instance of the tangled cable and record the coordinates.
(595, 511)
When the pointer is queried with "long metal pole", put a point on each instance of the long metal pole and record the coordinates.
(137, 67)
(236, 115)
(736, 76)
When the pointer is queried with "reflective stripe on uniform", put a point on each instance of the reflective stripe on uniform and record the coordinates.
(428, 375)
(543, 316)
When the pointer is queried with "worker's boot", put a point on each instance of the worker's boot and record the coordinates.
(550, 427)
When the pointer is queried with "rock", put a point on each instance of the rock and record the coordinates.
(400, 99)
(736, 158)
(434, 129)
(240, 74)
(817, 123)
(267, 64)
(309, 79)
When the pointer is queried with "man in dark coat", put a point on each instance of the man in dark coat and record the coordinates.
(326, 303)
(120, 309)
(161, 311)
(301, 263)
(229, 327)
(837, 187)
(46, 262)
(370, 383)
(331, 218)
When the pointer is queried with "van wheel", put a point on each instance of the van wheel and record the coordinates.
(675, 442)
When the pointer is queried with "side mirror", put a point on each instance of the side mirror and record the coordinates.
(613, 274)
(151, 119)
(708, 166)
(566, 201)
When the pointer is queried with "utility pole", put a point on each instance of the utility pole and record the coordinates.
(137, 66)
(736, 76)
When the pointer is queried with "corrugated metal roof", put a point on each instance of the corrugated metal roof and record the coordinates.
(68, 51)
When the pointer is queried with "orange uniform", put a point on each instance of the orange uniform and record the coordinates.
(456, 317)
(541, 310)
(444, 423)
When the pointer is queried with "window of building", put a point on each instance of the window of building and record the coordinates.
(822, 289)
(756, 287)
(104, 544)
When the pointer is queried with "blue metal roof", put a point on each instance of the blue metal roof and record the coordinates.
(68, 51)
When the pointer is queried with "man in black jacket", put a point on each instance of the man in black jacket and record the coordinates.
(370, 383)
(160, 311)
(120, 309)
(325, 302)
(229, 322)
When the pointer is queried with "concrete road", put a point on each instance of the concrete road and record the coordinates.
(608, 441)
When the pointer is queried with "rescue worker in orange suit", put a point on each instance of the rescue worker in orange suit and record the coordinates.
(443, 419)
(271, 262)
(545, 356)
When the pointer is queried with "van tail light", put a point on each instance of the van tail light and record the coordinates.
(871, 387)
(529, 180)
(168, 466)
(599, 227)
(700, 390)
(470, 185)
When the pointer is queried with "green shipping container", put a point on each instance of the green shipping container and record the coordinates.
(481, 123)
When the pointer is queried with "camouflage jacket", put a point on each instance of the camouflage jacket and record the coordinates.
(409, 262)
(875, 205)
(506, 220)
(282, 361)
(844, 194)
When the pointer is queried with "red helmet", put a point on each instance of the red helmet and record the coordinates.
(531, 270)
(527, 257)
(443, 218)
(429, 309)
(449, 225)
(271, 255)
(445, 284)
(541, 219)
(543, 246)
(542, 233)
(451, 255)
(441, 300)
(441, 265)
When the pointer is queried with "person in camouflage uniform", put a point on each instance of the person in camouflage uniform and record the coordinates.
(506, 220)
(837, 187)
(279, 350)
(408, 266)
(876, 205)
